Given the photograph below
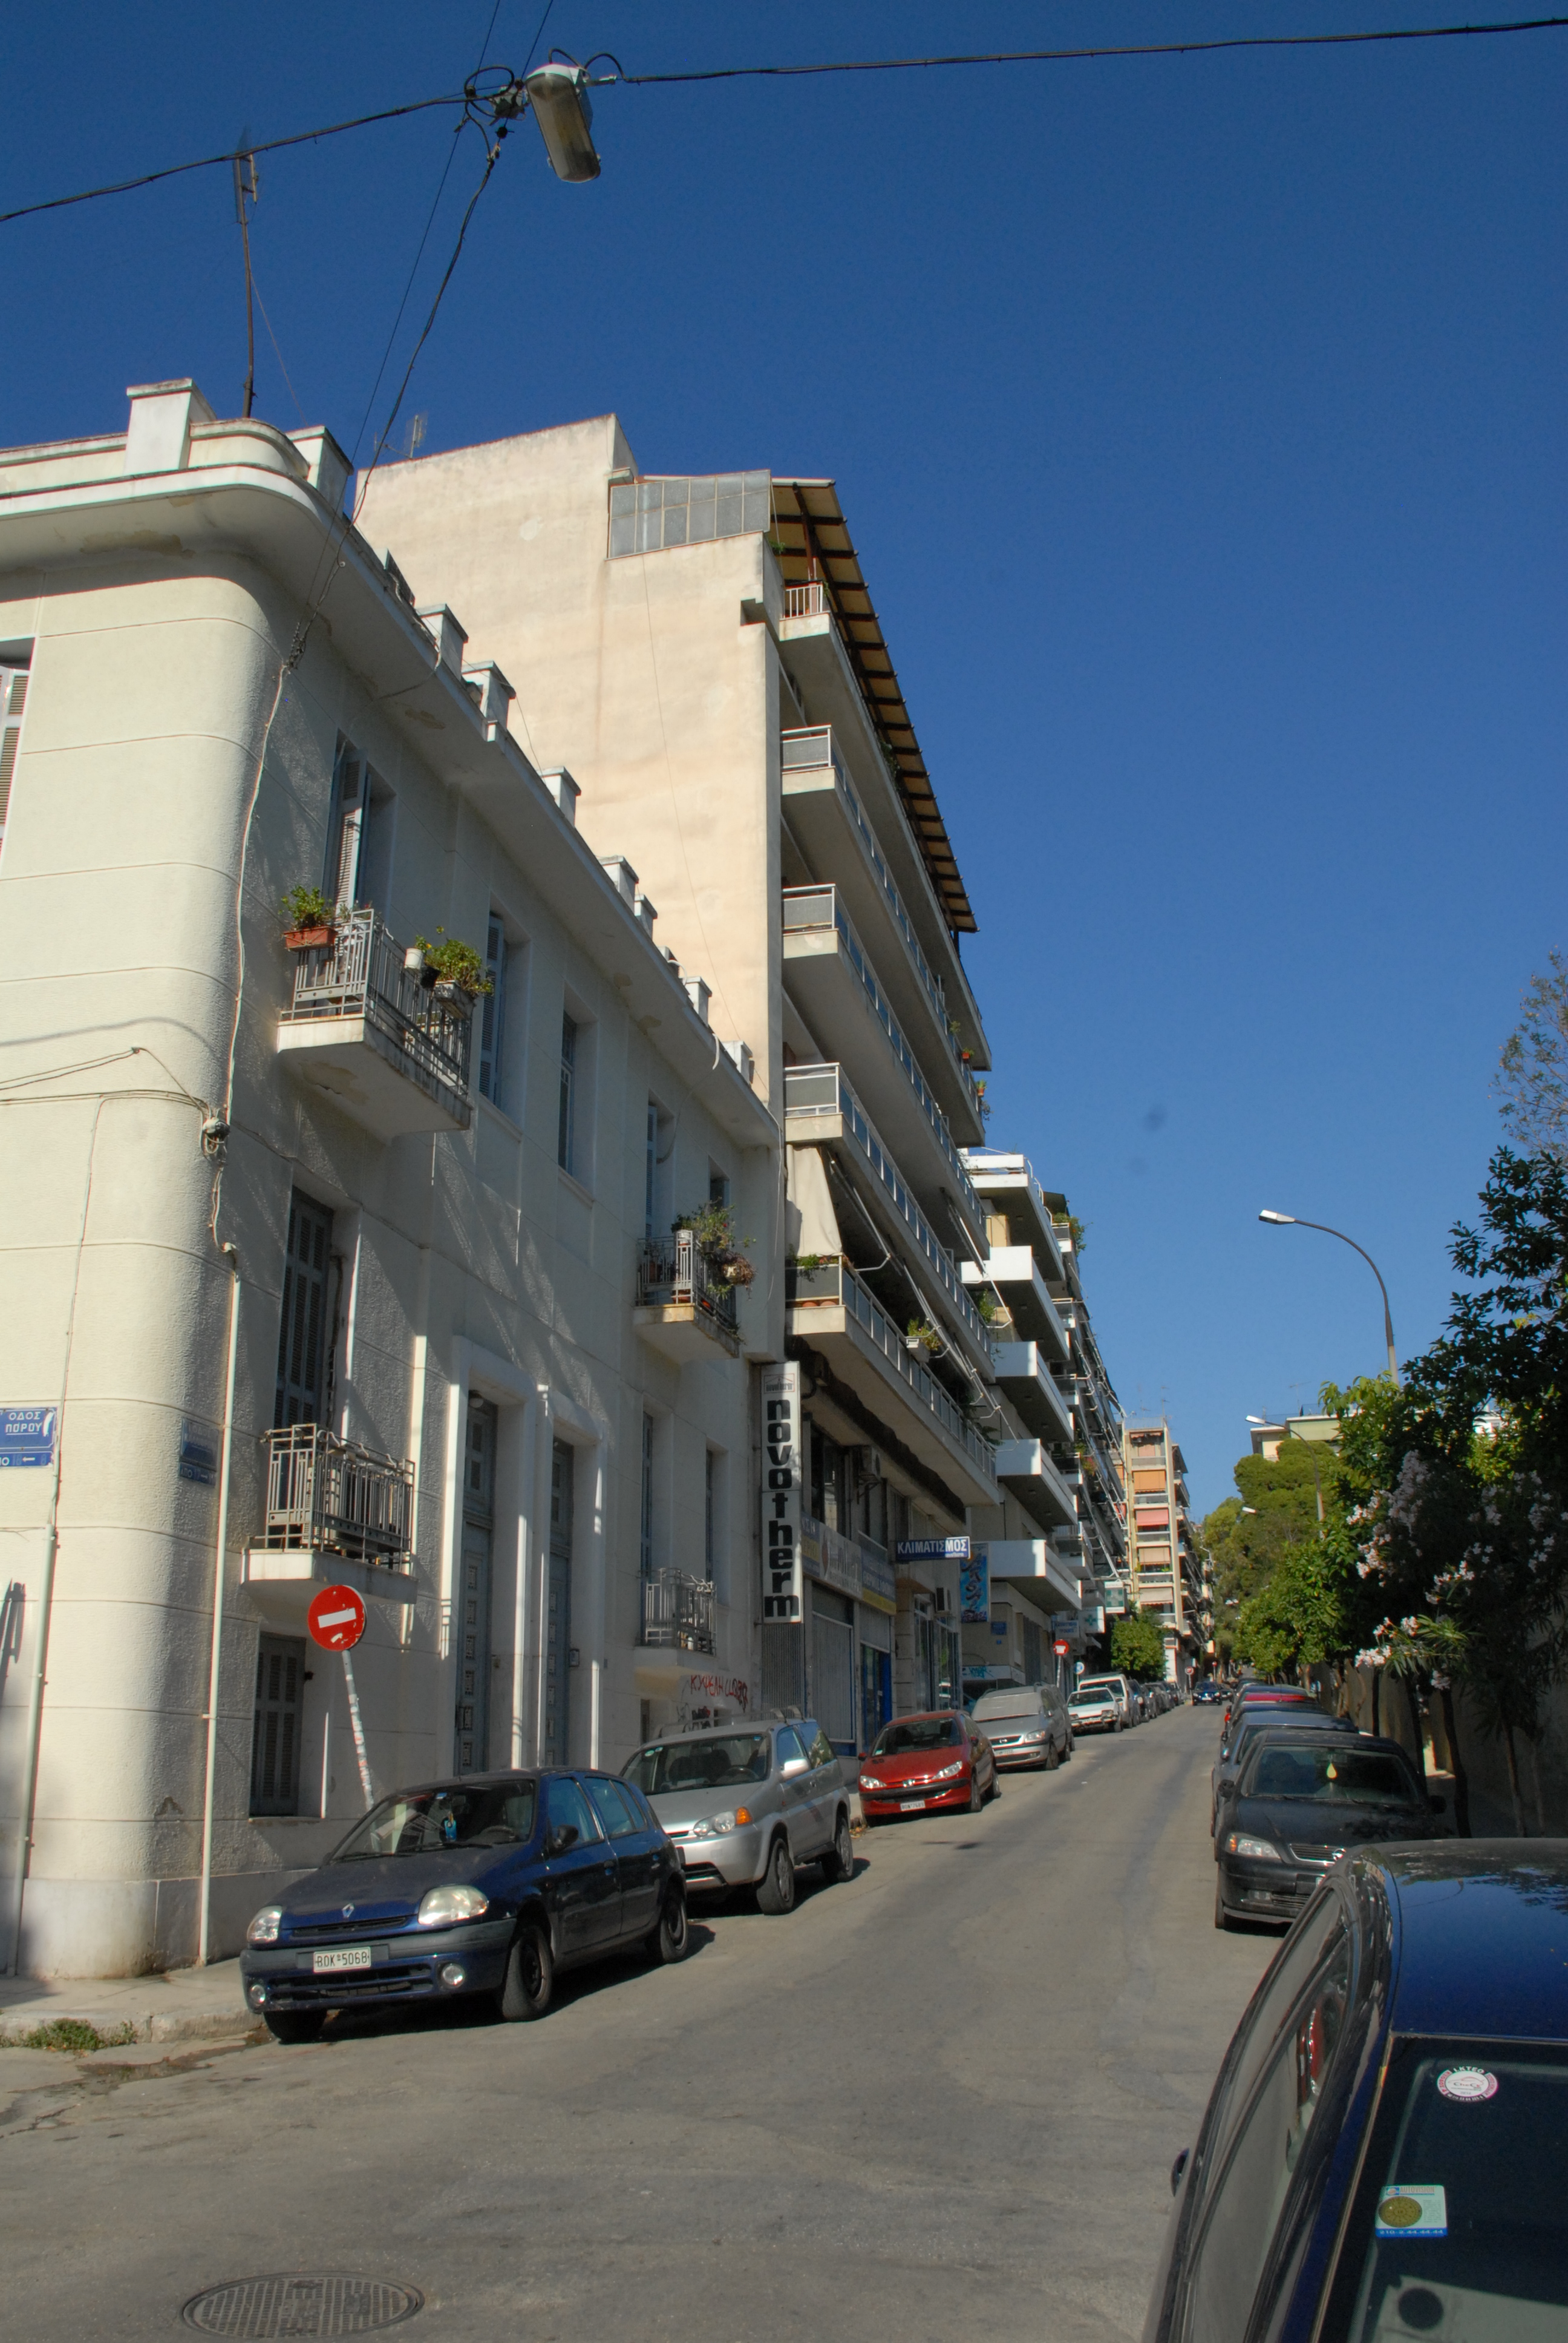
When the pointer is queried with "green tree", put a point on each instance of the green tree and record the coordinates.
(1533, 1072)
(1297, 1618)
(1277, 1508)
(1137, 1645)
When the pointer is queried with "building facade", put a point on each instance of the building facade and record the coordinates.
(1168, 1570)
(320, 1269)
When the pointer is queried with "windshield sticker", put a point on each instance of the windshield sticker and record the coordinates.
(1467, 2083)
(1413, 2212)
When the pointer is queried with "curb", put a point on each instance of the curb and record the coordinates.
(150, 2026)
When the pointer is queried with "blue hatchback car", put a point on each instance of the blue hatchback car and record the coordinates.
(489, 1885)
(1385, 2154)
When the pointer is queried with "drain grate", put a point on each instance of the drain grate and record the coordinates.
(334, 2304)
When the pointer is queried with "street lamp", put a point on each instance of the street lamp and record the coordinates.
(1288, 1221)
(557, 95)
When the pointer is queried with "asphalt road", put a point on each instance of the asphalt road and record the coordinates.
(941, 2099)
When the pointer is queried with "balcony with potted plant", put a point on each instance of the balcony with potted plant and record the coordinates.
(686, 1285)
(384, 1031)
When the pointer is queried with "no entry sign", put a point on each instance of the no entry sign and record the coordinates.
(335, 1618)
(1060, 1646)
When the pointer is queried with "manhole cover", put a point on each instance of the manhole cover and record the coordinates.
(333, 2305)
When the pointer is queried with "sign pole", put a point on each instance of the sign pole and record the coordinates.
(358, 1732)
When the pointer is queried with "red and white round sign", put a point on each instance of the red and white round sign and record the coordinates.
(1060, 1646)
(336, 1618)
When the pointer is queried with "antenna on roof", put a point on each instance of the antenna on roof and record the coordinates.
(415, 438)
(246, 188)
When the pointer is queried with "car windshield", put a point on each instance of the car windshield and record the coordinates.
(909, 1734)
(428, 1821)
(1102, 1684)
(1084, 1698)
(1460, 2226)
(720, 1761)
(1332, 1774)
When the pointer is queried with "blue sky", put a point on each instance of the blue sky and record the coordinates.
(1200, 422)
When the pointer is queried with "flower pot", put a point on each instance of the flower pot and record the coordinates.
(452, 995)
(739, 1271)
(310, 938)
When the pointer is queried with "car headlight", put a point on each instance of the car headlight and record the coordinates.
(716, 1825)
(1259, 1850)
(264, 1928)
(443, 1906)
(948, 1772)
(872, 1781)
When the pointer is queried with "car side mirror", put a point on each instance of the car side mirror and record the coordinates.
(565, 1835)
(1178, 2169)
(793, 1765)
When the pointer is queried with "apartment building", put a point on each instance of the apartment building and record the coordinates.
(324, 1265)
(1167, 1571)
(704, 655)
(1097, 1480)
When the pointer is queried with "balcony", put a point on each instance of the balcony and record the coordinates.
(827, 816)
(685, 1303)
(335, 1515)
(1015, 1273)
(677, 1612)
(832, 976)
(370, 1031)
(831, 1309)
(1007, 1186)
(1037, 1571)
(820, 1109)
(1023, 1467)
(1029, 1387)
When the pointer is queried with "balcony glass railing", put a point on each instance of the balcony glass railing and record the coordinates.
(824, 1090)
(833, 1283)
(808, 908)
(330, 1495)
(363, 972)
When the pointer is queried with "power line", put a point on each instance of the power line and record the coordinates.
(1143, 49)
(212, 162)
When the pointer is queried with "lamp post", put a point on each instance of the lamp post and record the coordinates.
(1288, 1221)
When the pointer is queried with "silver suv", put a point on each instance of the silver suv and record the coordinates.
(745, 1804)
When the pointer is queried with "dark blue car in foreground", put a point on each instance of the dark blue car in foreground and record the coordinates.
(489, 1885)
(1385, 2154)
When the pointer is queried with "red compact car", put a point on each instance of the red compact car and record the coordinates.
(919, 1763)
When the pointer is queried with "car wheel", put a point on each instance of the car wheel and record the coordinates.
(1052, 1757)
(671, 1940)
(776, 1888)
(976, 1799)
(1222, 1917)
(295, 2025)
(1068, 1751)
(838, 1863)
(530, 1978)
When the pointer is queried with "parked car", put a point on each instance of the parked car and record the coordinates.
(1383, 2151)
(1274, 1703)
(1251, 1727)
(1206, 1693)
(489, 1885)
(1253, 1689)
(938, 1759)
(1026, 1724)
(1097, 1707)
(1120, 1688)
(745, 1805)
(1300, 1801)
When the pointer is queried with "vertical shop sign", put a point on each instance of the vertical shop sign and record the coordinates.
(974, 1588)
(781, 1581)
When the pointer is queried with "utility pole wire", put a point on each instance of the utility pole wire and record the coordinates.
(1139, 49)
(213, 161)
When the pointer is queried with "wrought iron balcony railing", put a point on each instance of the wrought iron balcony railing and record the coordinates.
(326, 1495)
(675, 1272)
(363, 972)
(678, 1610)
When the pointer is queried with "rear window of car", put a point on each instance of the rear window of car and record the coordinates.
(907, 1733)
(1460, 2223)
(997, 1704)
(720, 1761)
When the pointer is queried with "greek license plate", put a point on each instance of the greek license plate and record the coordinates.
(341, 1957)
(913, 1802)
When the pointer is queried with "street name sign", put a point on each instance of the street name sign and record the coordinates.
(27, 1435)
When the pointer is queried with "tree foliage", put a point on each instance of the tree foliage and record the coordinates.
(1137, 1645)
(1533, 1072)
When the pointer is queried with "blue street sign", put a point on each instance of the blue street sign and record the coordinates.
(198, 1455)
(951, 1549)
(26, 1435)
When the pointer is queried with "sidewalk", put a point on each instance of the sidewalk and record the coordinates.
(184, 2005)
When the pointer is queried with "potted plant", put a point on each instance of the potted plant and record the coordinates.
(309, 918)
(714, 1231)
(459, 974)
(921, 1335)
